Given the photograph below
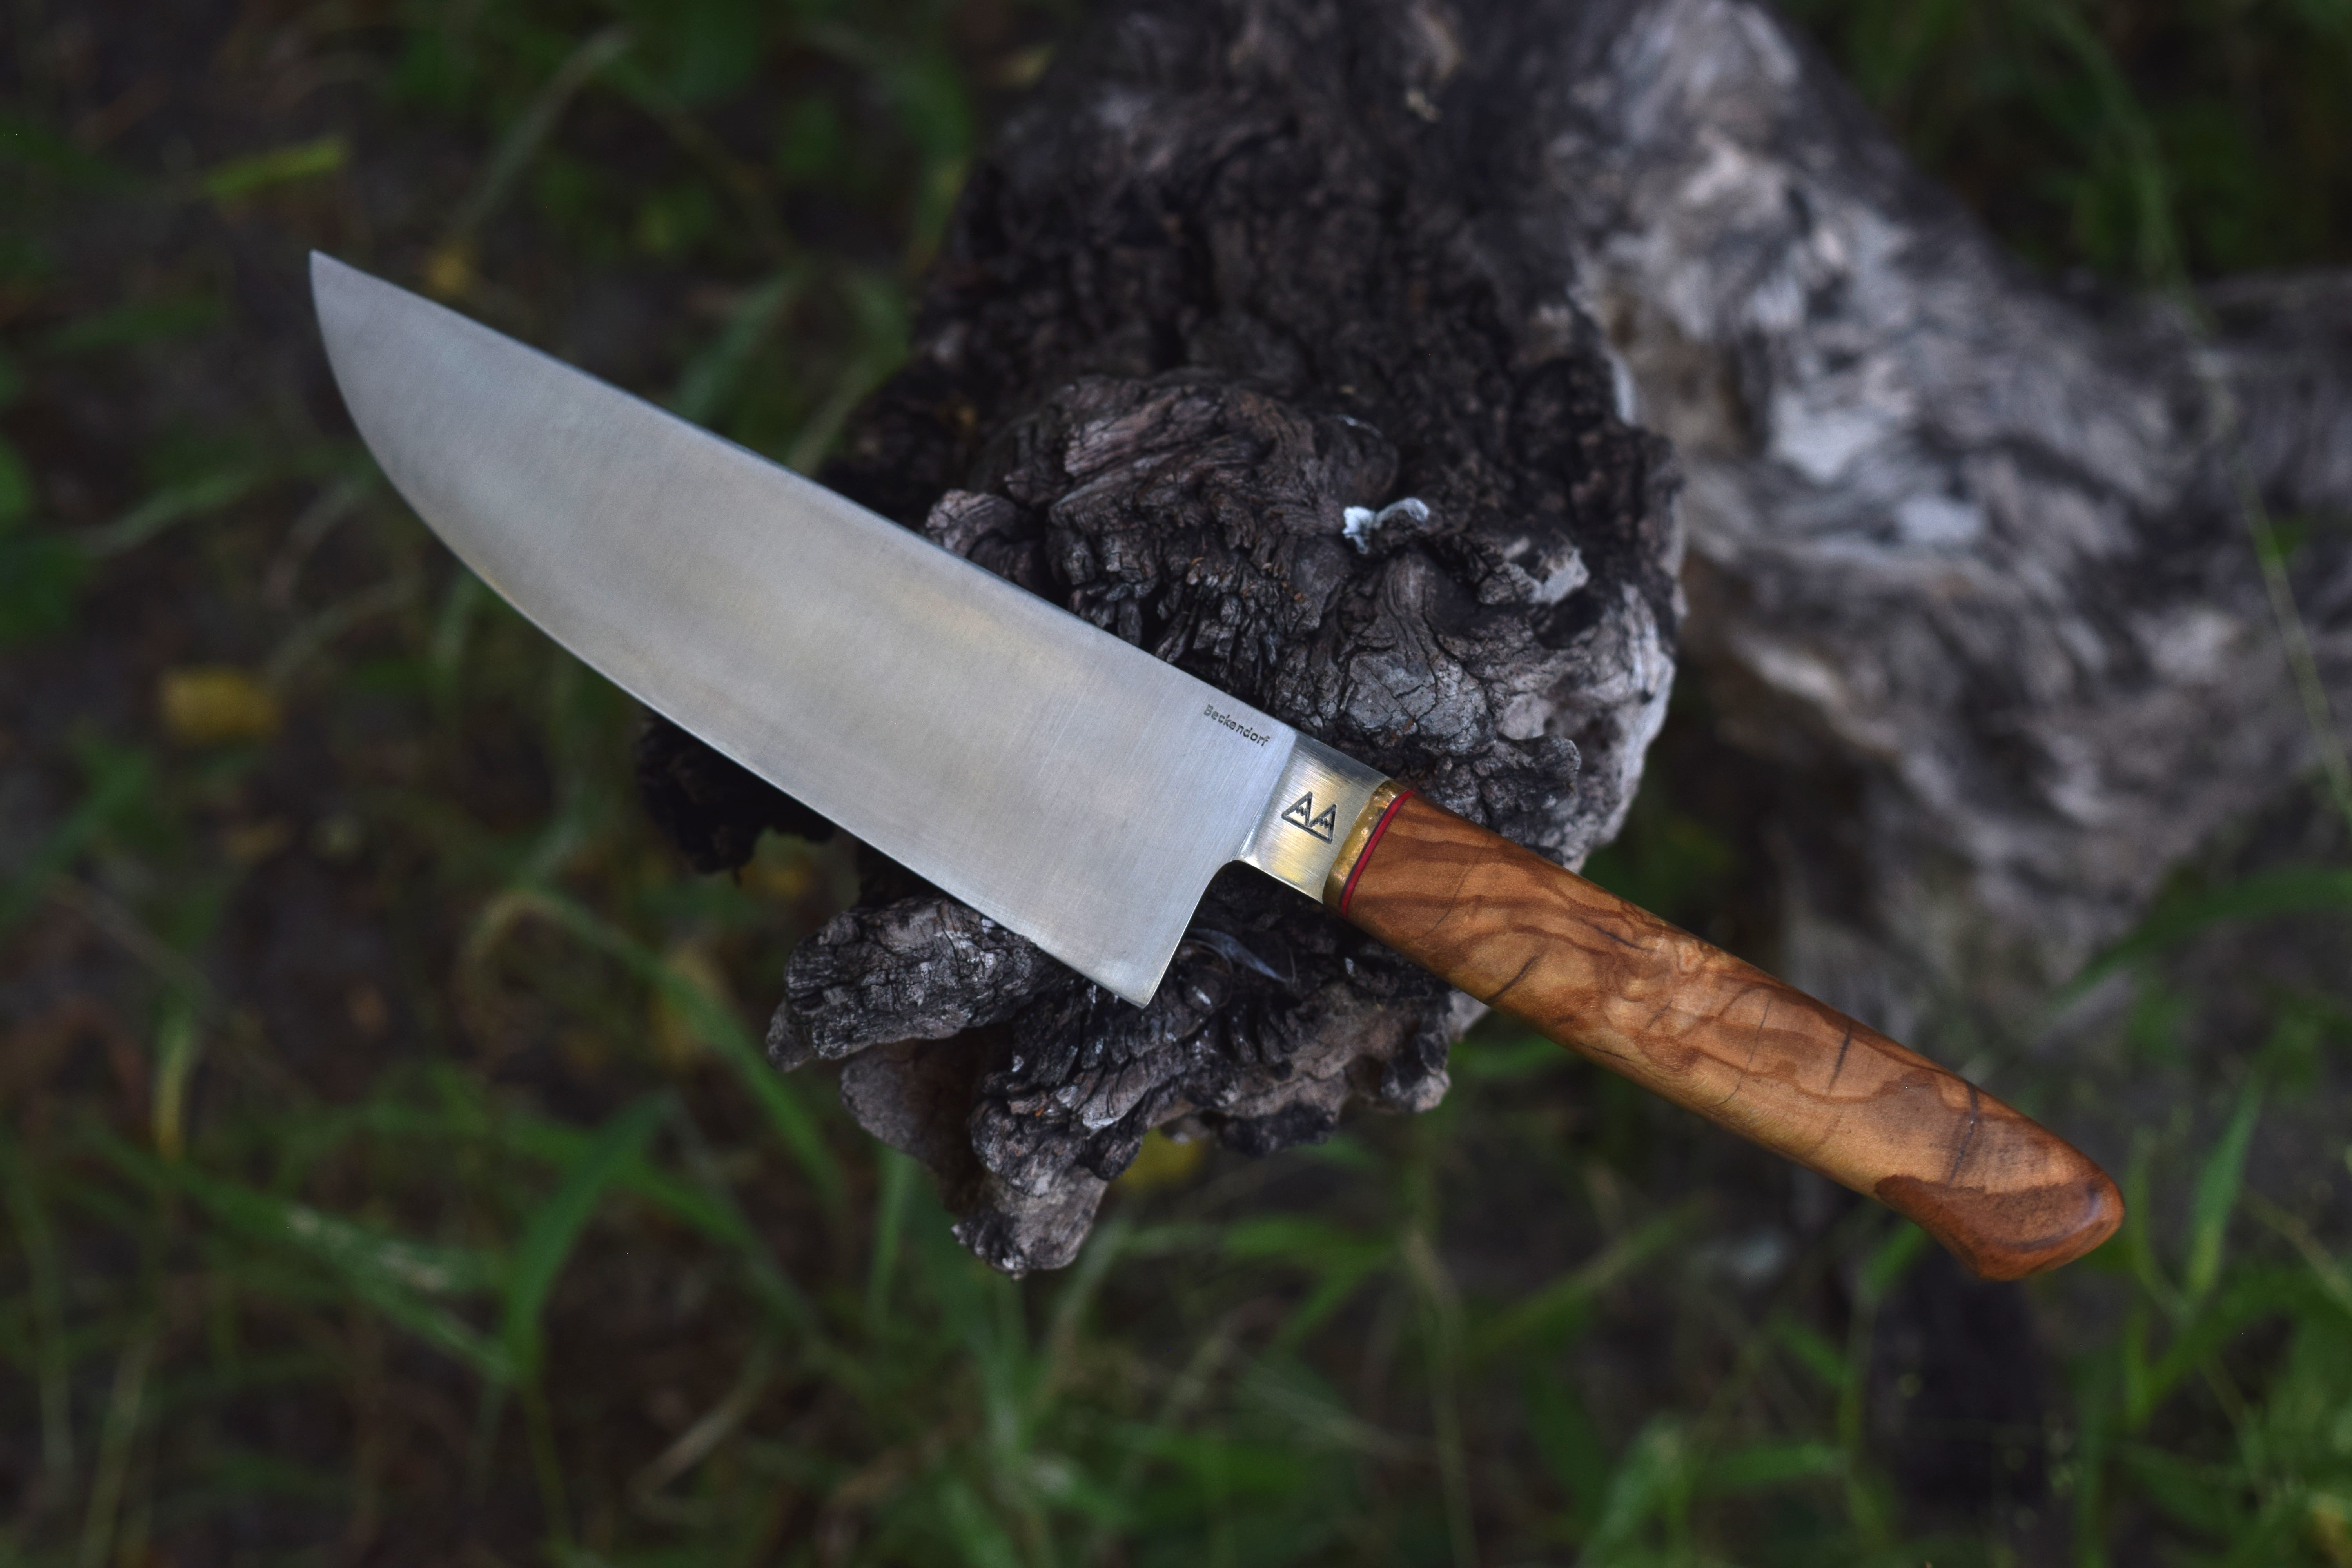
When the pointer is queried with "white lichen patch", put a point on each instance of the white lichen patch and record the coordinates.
(1359, 523)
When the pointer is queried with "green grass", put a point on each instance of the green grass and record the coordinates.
(2141, 142)
(390, 1172)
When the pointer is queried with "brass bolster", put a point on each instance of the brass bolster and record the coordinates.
(1351, 848)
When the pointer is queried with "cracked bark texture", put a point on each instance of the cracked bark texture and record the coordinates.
(1968, 553)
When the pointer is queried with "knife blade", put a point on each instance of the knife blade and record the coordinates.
(1082, 793)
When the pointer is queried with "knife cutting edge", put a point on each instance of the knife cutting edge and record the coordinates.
(1082, 793)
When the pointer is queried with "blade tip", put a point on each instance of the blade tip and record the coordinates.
(338, 289)
(327, 277)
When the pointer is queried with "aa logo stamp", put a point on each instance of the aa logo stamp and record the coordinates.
(1301, 814)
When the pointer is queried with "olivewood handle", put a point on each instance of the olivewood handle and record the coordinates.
(1720, 1037)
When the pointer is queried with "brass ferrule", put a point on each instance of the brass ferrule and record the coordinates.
(1351, 848)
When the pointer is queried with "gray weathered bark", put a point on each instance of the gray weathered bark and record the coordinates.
(1969, 560)
(1974, 546)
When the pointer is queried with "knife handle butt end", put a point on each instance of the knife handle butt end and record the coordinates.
(1717, 1035)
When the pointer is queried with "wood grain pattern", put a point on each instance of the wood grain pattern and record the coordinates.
(1720, 1037)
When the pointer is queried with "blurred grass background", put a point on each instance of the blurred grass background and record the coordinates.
(390, 1170)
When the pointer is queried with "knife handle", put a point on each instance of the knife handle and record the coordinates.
(1720, 1037)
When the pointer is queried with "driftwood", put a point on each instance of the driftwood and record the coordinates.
(1970, 554)
(1303, 344)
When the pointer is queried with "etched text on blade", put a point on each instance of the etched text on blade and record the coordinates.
(1055, 778)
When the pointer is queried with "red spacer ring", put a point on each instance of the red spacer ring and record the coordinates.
(1364, 859)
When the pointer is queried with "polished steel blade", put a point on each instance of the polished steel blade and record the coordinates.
(1057, 779)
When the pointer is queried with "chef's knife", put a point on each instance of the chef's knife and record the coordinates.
(1082, 793)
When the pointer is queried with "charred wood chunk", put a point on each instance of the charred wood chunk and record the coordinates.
(1234, 351)
(915, 969)
(710, 807)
